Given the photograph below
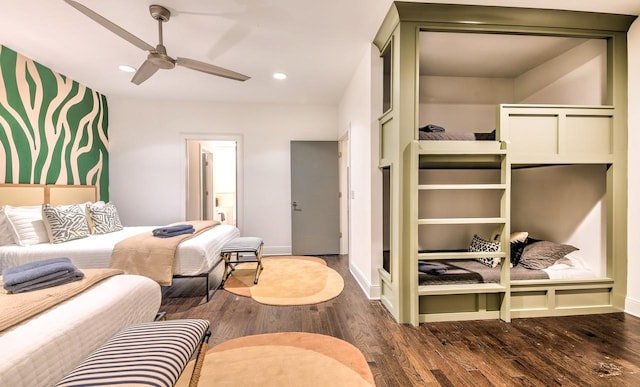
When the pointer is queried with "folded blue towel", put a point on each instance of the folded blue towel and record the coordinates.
(33, 270)
(44, 283)
(172, 234)
(177, 227)
(171, 231)
(40, 275)
(432, 268)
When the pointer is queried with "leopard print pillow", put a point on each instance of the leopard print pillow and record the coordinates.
(479, 244)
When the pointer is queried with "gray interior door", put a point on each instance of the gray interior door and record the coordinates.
(315, 207)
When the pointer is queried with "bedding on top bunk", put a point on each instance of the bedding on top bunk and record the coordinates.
(438, 133)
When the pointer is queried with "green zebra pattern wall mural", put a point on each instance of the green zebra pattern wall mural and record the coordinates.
(54, 130)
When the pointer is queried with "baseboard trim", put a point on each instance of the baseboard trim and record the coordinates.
(276, 250)
(372, 292)
(632, 306)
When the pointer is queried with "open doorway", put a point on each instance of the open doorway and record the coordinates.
(212, 181)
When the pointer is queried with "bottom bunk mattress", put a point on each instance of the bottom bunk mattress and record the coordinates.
(473, 272)
(194, 256)
(41, 350)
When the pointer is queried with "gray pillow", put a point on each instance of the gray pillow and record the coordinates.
(542, 254)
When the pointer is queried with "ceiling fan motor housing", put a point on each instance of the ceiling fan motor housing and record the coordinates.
(160, 58)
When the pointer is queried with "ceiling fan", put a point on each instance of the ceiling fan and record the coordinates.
(157, 58)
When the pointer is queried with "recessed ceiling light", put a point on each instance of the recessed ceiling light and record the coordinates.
(280, 75)
(127, 68)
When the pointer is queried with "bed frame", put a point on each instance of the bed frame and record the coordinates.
(37, 194)
(526, 136)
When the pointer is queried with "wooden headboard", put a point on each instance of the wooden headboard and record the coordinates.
(37, 194)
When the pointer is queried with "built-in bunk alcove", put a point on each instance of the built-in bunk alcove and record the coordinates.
(564, 204)
(463, 77)
(553, 85)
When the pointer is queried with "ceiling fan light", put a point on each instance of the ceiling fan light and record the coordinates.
(127, 68)
(280, 76)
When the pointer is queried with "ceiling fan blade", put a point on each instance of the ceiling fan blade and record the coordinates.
(210, 69)
(121, 32)
(144, 72)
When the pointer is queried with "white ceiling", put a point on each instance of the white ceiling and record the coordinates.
(317, 43)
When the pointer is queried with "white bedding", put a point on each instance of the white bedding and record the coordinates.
(41, 350)
(194, 256)
(572, 266)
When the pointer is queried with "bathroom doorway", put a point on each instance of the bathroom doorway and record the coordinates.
(212, 180)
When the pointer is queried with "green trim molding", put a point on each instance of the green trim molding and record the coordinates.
(54, 130)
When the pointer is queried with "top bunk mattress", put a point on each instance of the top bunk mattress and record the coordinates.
(457, 136)
(194, 256)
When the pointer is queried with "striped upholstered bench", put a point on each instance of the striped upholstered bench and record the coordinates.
(149, 354)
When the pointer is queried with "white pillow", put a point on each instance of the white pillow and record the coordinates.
(26, 225)
(519, 236)
(6, 236)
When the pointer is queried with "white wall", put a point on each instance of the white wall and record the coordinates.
(468, 104)
(633, 285)
(577, 77)
(359, 112)
(462, 104)
(148, 158)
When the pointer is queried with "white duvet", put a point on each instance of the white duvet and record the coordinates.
(41, 350)
(194, 256)
(572, 266)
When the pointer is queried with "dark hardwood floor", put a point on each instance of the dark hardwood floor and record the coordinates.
(595, 350)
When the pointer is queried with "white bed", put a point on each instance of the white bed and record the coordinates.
(42, 349)
(194, 256)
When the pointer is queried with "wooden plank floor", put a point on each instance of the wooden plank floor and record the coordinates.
(596, 350)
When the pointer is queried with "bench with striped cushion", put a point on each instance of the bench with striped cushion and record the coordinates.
(150, 354)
